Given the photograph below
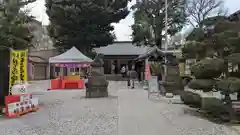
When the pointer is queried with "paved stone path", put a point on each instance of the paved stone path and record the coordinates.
(125, 112)
(140, 116)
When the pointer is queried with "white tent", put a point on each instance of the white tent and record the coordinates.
(71, 56)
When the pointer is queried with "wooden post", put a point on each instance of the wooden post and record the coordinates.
(61, 71)
(4, 74)
(54, 71)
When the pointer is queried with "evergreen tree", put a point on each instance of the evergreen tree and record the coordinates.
(84, 24)
(150, 20)
(14, 32)
(220, 40)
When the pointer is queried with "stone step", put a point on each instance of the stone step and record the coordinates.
(117, 77)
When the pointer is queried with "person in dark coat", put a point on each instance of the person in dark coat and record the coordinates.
(86, 81)
(132, 76)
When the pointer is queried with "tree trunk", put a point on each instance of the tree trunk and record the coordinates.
(158, 33)
(238, 95)
(83, 50)
(159, 42)
(198, 57)
(229, 106)
(4, 74)
(238, 70)
(226, 70)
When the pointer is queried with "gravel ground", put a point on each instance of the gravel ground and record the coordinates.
(187, 122)
(65, 113)
(125, 112)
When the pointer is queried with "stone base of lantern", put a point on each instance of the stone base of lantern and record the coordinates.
(96, 92)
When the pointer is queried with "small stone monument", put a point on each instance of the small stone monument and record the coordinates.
(173, 81)
(97, 83)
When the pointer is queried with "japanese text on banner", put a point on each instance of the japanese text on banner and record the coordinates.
(18, 67)
(23, 66)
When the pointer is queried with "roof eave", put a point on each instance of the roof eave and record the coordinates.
(150, 53)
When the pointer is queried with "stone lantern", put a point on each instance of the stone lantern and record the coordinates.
(97, 83)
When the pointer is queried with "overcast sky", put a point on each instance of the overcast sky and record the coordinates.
(122, 29)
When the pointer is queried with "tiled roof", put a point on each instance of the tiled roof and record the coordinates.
(37, 59)
(122, 48)
(235, 13)
(159, 52)
(234, 16)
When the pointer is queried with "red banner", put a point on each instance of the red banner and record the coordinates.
(147, 72)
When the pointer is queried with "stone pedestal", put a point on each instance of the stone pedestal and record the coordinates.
(97, 92)
(97, 83)
(173, 82)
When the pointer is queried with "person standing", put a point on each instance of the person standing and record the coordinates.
(86, 81)
(113, 68)
(123, 71)
(128, 78)
(132, 77)
(138, 70)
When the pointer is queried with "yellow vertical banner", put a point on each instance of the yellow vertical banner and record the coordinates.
(23, 66)
(13, 71)
(18, 67)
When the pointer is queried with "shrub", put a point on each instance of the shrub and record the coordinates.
(201, 84)
(207, 68)
(190, 98)
(229, 85)
(213, 105)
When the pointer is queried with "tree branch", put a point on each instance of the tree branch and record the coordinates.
(198, 10)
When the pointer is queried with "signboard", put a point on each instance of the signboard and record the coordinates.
(18, 67)
(19, 89)
(18, 108)
(72, 65)
(153, 85)
(17, 105)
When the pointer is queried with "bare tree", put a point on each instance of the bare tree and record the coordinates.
(199, 10)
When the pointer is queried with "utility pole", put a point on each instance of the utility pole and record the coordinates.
(166, 40)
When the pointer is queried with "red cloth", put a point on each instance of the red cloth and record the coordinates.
(56, 83)
(72, 84)
(69, 84)
(147, 72)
